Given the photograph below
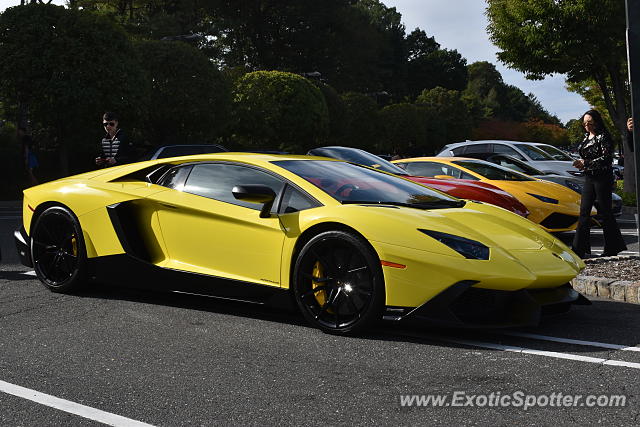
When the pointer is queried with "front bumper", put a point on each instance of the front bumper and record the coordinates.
(23, 245)
(465, 306)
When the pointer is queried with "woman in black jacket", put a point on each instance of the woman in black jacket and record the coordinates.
(596, 159)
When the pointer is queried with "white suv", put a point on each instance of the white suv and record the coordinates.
(524, 151)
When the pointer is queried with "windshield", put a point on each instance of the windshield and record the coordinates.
(349, 183)
(516, 165)
(534, 153)
(491, 171)
(358, 156)
(554, 152)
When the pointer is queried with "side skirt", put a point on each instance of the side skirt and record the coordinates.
(129, 271)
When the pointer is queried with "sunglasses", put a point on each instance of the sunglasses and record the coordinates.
(105, 124)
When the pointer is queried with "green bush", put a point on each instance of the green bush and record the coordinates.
(628, 199)
(278, 110)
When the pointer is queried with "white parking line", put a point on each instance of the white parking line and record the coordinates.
(569, 341)
(30, 273)
(523, 350)
(545, 353)
(624, 232)
(70, 407)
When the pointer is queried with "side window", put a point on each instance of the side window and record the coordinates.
(459, 151)
(176, 177)
(216, 180)
(427, 169)
(479, 148)
(464, 175)
(295, 201)
(505, 149)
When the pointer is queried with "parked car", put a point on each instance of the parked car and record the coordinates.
(176, 150)
(572, 182)
(554, 152)
(346, 244)
(525, 151)
(460, 188)
(552, 206)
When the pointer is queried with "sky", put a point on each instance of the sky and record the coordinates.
(461, 25)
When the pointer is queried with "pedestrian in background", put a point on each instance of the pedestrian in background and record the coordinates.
(596, 160)
(29, 157)
(115, 148)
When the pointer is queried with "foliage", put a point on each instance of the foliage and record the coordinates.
(584, 39)
(278, 109)
(628, 199)
(429, 66)
(590, 91)
(448, 119)
(361, 121)
(488, 97)
(336, 109)
(533, 131)
(403, 128)
(538, 131)
(575, 132)
(190, 97)
(66, 67)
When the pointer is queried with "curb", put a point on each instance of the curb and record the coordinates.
(605, 287)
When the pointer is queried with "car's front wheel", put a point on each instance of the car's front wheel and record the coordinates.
(338, 283)
(58, 250)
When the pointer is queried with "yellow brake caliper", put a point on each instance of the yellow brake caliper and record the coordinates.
(74, 245)
(321, 296)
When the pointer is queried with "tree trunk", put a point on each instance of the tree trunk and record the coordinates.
(619, 115)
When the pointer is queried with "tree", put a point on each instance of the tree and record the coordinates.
(584, 39)
(362, 121)
(190, 98)
(278, 110)
(429, 66)
(65, 68)
(447, 113)
(403, 127)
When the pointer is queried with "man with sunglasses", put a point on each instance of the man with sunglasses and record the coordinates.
(116, 149)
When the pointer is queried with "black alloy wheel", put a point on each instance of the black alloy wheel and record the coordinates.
(57, 250)
(338, 283)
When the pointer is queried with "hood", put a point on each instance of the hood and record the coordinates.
(560, 167)
(484, 223)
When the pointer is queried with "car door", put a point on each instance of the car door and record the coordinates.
(206, 230)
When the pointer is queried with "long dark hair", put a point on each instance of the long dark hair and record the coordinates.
(601, 128)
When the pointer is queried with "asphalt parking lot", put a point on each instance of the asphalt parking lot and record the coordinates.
(117, 356)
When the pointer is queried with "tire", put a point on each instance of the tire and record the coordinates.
(58, 250)
(347, 295)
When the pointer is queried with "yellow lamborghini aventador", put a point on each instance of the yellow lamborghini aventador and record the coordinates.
(348, 244)
(553, 206)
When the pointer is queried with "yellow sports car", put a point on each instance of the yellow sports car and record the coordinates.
(553, 206)
(349, 245)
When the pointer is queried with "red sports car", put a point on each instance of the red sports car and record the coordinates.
(460, 188)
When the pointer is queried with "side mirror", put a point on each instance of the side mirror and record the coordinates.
(444, 177)
(258, 194)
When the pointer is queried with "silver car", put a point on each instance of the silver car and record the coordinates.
(524, 151)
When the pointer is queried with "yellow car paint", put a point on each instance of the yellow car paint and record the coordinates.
(201, 235)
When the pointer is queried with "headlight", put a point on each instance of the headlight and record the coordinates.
(468, 248)
(544, 199)
(576, 173)
(574, 186)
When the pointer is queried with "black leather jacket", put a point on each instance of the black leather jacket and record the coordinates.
(597, 154)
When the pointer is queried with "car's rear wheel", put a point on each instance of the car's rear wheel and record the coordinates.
(57, 250)
(338, 283)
